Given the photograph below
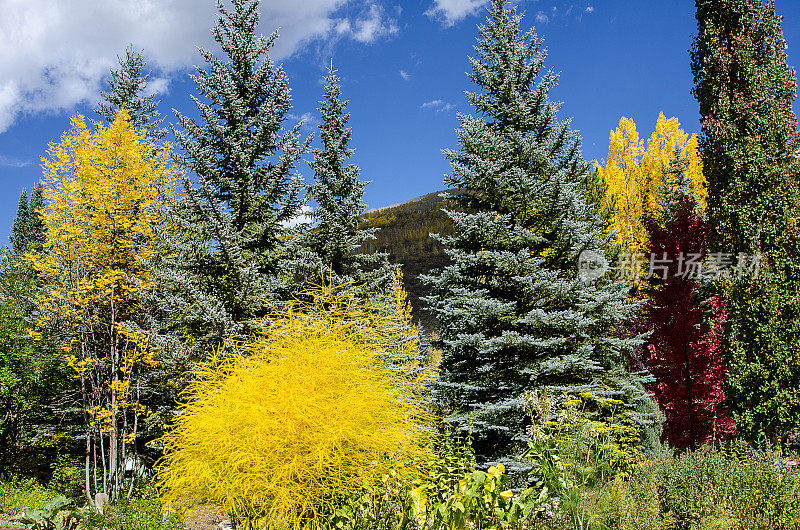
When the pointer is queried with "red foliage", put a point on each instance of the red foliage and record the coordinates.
(683, 351)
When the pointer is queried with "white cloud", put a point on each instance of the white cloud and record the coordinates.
(301, 218)
(13, 162)
(542, 18)
(373, 25)
(449, 12)
(590, 9)
(405, 75)
(437, 105)
(54, 55)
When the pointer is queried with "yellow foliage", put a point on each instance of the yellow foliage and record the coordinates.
(310, 410)
(102, 191)
(636, 181)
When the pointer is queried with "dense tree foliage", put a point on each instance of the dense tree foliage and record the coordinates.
(683, 349)
(32, 381)
(103, 192)
(750, 143)
(223, 263)
(27, 231)
(633, 178)
(514, 314)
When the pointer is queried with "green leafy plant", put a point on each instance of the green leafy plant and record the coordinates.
(143, 511)
(55, 514)
(67, 477)
(478, 500)
(577, 443)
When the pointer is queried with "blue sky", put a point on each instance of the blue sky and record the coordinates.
(403, 68)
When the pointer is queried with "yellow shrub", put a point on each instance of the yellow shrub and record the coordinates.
(311, 410)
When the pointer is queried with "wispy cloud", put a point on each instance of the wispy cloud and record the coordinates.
(589, 9)
(450, 12)
(309, 121)
(405, 75)
(437, 105)
(541, 18)
(369, 27)
(6, 161)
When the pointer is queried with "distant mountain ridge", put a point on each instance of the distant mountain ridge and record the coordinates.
(404, 233)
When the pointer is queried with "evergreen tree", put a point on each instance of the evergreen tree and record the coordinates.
(35, 225)
(19, 230)
(229, 236)
(27, 231)
(514, 313)
(127, 88)
(332, 245)
(750, 143)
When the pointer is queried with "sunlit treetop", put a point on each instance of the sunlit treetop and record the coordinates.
(637, 177)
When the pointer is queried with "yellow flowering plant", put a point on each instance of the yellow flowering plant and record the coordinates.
(578, 442)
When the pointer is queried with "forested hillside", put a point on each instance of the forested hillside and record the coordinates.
(404, 232)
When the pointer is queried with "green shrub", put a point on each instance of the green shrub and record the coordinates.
(67, 477)
(143, 511)
(18, 494)
(767, 493)
(712, 488)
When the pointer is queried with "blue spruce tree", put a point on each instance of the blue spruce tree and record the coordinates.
(515, 313)
(229, 235)
(330, 249)
(127, 87)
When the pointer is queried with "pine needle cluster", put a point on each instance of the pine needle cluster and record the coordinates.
(310, 410)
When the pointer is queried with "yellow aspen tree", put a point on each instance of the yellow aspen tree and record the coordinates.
(625, 184)
(102, 192)
(656, 159)
(636, 177)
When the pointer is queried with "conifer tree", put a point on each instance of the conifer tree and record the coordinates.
(127, 87)
(19, 230)
(28, 231)
(514, 313)
(332, 245)
(749, 142)
(36, 229)
(228, 237)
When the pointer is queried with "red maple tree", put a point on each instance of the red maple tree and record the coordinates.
(683, 350)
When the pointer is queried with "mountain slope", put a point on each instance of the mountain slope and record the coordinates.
(404, 233)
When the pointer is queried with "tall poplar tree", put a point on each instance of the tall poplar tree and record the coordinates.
(514, 313)
(750, 144)
(229, 231)
(127, 87)
(331, 246)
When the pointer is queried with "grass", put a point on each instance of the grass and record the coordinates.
(17, 495)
